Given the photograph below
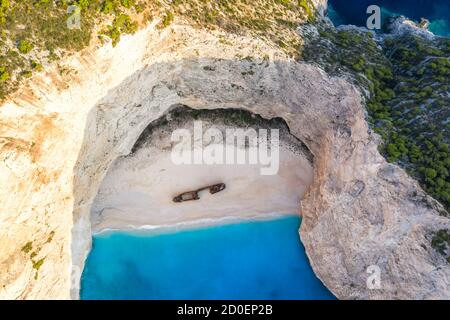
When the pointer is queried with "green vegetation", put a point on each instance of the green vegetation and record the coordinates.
(24, 46)
(441, 243)
(166, 20)
(4, 75)
(38, 264)
(36, 66)
(27, 247)
(50, 237)
(307, 7)
(27, 74)
(413, 117)
(408, 97)
(276, 20)
(39, 33)
(122, 24)
(38, 29)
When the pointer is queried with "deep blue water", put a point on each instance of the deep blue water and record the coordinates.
(354, 12)
(252, 260)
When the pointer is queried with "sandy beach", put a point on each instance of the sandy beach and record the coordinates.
(138, 189)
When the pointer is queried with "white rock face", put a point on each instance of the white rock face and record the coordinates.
(402, 25)
(321, 6)
(58, 141)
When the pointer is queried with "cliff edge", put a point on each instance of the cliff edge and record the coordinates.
(60, 133)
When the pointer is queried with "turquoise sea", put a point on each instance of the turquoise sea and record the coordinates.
(250, 260)
(354, 12)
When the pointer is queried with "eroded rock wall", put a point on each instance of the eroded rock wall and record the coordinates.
(58, 142)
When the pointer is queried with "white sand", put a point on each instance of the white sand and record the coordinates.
(138, 191)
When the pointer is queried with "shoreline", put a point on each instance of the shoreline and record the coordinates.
(409, 20)
(138, 189)
(138, 193)
(192, 225)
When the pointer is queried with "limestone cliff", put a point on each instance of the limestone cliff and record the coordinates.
(59, 134)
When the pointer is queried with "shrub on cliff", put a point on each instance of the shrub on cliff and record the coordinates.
(4, 75)
(441, 243)
(24, 46)
(408, 97)
(166, 20)
(121, 24)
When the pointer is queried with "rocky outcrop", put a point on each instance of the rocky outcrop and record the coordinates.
(58, 140)
(398, 26)
(364, 216)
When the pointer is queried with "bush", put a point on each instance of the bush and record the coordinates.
(4, 7)
(441, 242)
(4, 75)
(24, 46)
(27, 74)
(127, 3)
(38, 264)
(82, 4)
(36, 66)
(27, 247)
(121, 24)
(108, 7)
(408, 97)
(167, 20)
